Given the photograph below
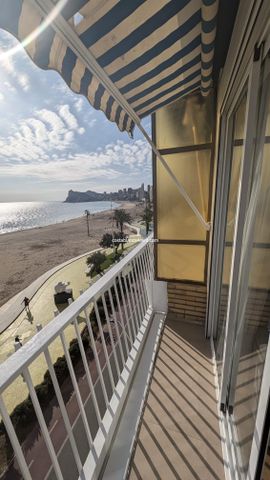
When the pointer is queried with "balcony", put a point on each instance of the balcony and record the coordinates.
(132, 395)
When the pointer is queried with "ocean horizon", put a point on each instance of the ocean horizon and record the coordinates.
(17, 216)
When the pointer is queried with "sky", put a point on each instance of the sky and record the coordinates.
(52, 140)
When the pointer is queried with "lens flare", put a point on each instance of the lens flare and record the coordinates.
(33, 35)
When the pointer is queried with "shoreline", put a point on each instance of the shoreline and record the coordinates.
(28, 254)
(124, 205)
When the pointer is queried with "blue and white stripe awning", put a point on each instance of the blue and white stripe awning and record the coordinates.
(153, 51)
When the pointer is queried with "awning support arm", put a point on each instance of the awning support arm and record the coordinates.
(65, 31)
(178, 184)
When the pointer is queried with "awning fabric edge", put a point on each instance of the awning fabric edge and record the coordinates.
(49, 51)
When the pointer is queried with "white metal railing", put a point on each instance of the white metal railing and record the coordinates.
(110, 321)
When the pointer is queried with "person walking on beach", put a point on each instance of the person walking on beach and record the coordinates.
(26, 302)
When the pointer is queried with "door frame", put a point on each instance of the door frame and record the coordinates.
(259, 32)
(241, 209)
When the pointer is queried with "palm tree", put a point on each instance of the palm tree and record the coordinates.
(147, 218)
(119, 238)
(96, 259)
(106, 241)
(121, 217)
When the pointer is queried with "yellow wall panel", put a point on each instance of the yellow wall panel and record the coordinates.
(181, 262)
(175, 219)
(186, 122)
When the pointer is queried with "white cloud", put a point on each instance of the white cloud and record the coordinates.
(24, 81)
(38, 137)
(14, 79)
(1, 97)
(78, 105)
(113, 161)
(7, 86)
(68, 117)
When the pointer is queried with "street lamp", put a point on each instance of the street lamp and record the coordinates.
(87, 213)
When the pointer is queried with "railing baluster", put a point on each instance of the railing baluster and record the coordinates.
(123, 326)
(87, 371)
(137, 294)
(14, 441)
(76, 390)
(146, 253)
(142, 281)
(141, 262)
(113, 383)
(111, 335)
(151, 257)
(132, 311)
(94, 348)
(128, 314)
(63, 410)
(42, 424)
(117, 328)
(145, 276)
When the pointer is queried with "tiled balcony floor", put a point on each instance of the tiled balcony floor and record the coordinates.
(179, 435)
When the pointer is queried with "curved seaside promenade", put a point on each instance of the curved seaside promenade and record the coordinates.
(14, 307)
(42, 307)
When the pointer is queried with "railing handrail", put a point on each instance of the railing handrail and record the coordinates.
(19, 360)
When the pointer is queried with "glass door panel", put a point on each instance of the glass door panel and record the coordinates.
(256, 319)
(237, 141)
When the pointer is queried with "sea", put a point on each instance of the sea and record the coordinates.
(15, 216)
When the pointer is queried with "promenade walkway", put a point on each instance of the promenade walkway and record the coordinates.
(42, 309)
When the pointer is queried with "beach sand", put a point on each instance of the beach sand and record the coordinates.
(27, 254)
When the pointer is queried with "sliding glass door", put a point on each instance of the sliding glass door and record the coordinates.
(243, 307)
(236, 140)
(253, 317)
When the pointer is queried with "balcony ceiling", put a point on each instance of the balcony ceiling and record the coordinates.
(149, 52)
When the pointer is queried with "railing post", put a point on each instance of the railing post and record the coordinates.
(42, 423)
(132, 308)
(143, 276)
(77, 391)
(138, 294)
(94, 348)
(63, 410)
(111, 335)
(87, 371)
(128, 314)
(121, 317)
(113, 383)
(117, 328)
(14, 441)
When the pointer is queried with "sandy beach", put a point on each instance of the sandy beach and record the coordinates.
(27, 254)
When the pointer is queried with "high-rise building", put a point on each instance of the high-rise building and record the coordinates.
(141, 192)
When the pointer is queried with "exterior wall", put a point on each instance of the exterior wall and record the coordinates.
(187, 302)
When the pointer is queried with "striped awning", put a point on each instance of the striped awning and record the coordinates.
(152, 51)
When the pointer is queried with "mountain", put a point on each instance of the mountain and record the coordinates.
(88, 196)
(126, 194)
